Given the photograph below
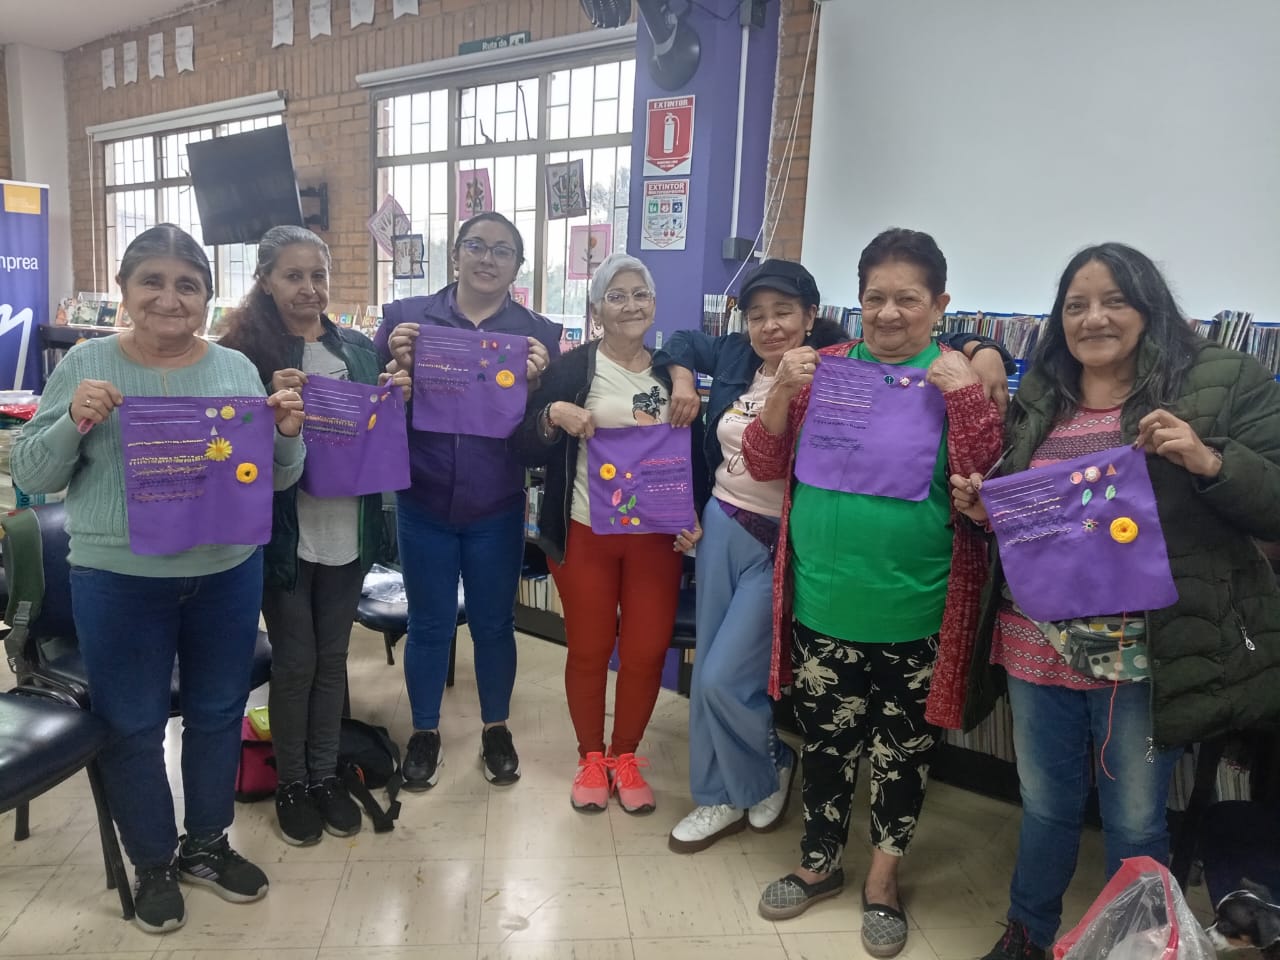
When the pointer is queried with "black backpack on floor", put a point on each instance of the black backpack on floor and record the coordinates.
(368, 759)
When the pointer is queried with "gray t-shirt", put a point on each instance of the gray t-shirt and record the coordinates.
(328, 527)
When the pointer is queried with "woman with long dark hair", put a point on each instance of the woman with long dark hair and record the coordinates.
(321, 547)
(1118, 364)
(463, 513)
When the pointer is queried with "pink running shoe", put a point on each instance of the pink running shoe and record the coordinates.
(590, 791)
(634, 795)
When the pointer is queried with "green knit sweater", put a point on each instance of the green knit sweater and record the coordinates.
(51, 454)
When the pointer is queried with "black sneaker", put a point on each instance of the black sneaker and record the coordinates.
(1015, 945)
(301, 823)
(498, 754)
(421, 767)
(339, 812)
(157, 902)
(214, 864)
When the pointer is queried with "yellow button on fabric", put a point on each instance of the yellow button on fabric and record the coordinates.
(1124, 530)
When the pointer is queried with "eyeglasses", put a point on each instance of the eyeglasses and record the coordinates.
(617, 298)
(502, 252)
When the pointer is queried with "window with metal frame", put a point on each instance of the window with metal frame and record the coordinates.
(511, 124)
(148, 182)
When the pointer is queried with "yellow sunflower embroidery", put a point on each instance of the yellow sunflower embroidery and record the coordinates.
(246, 473)
(1124, 530)
(219, 449)
(227, 412)
(505, 378)
(608, 471)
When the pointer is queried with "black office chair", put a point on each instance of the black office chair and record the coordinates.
(46, 738)
(391, 619)
(36, 540)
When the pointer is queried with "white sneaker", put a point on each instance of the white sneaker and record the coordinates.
(704, 826)
(768, 813)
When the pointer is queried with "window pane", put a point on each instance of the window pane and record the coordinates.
(580, 102)
(627, 96)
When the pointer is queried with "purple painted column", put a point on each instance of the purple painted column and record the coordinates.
(683, 276)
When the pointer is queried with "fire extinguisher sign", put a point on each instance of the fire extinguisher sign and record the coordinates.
(668, 138)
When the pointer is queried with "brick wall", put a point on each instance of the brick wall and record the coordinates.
(328, 115)
(787, 213)
(6, 156)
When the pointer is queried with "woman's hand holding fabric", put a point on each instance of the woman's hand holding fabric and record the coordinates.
(1163, 434)
(288, 407)
(964, 495)
(94, 400)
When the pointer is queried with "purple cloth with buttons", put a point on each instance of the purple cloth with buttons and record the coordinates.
(469, 381)
(1081, 538)
(640, 480)
(197, 471)
(871, 428)
(357, 438)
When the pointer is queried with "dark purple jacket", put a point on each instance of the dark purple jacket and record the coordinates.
(456, 477)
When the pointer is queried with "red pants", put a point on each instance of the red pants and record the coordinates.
(622, 587)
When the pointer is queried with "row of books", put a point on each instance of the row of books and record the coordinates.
(538, 591)
(993, 735)
(1232, 782)
(1239, 330)
(91, 310)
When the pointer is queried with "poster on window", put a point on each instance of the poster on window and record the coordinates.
(665, 223)
(386, 223)
(522, 296)
(566, 190)
(406, 263)
(475, 195)
(588, 246)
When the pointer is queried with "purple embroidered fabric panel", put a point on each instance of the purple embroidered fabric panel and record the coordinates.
(1082, 538)
(357, 438)
(469, 381)
(197, 470)
(871, 428)
(640, 480)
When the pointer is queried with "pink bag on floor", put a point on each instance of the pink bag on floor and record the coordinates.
(256, 779)
(1140, 915)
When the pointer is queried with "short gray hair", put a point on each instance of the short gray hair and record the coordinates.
(614, 264)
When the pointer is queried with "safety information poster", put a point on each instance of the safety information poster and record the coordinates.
(665, 224)
(668, 138)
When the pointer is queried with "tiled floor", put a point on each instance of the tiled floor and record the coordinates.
(474, 872)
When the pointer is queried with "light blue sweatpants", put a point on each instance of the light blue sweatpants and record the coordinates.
(733, 747)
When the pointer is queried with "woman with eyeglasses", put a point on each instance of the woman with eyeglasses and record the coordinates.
(621, 589)
(740, 772)
(463, 513)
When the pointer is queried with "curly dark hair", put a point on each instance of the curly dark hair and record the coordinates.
(255, 327)
(1166, 336)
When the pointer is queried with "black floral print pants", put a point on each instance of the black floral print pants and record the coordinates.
(851, 699)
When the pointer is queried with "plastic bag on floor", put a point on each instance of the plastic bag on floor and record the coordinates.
(1140, 915)
(383, 584)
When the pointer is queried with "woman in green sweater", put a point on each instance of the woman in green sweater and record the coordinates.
(134, 614)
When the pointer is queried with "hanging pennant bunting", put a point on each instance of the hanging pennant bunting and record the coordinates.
(155, 55)
(321, 20)
(282, 23)
(361, 12)
(109, 68)
(404, 8)
(130, 51)
(184, 42)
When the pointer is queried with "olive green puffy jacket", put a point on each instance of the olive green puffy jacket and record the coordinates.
(1215, 654)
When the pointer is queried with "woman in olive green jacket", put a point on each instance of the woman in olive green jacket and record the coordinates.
(1118, 364)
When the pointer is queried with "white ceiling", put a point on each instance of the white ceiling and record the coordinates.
(67, 24)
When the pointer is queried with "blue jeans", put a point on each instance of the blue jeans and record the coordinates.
(733, 748)
(1052, 728)
(488, 554)
(130, 630)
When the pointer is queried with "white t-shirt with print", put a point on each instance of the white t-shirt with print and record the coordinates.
(733, 484)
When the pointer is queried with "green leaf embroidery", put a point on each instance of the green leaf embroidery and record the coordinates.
(632, 502)
(1111, 491)
(1086, 497)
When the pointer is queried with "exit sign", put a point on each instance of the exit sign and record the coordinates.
(495, 43)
